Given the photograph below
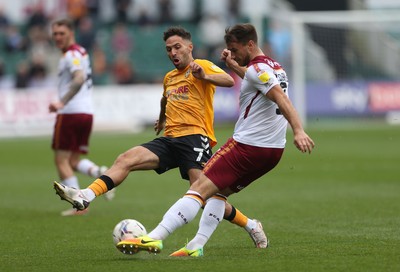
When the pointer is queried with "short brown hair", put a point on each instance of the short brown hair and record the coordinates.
(178, 31)
(241, 33)
(65, 22)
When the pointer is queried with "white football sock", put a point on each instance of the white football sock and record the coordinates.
(71, 182)
(89, 168)
(89, 194)
(212, 215)
(181, 213)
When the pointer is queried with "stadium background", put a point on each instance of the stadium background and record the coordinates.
(342, 79)
(334, 210)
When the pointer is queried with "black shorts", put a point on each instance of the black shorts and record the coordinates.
(186, 152)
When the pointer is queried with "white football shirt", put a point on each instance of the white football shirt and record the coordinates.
(260, 122)
(75, 58)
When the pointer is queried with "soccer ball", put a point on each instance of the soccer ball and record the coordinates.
(128, 229)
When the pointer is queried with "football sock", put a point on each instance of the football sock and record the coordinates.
(102, 185)
(181, 213)
(212, 215)
(89, 194)
(88, 167)
(238, 218)
(71, 182)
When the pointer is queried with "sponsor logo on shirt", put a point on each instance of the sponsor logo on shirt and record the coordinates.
(181, 93)
(263, 76)
(76, 61)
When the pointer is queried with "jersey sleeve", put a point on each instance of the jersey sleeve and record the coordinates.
(74, 61)
(209, 67)
(262, 77)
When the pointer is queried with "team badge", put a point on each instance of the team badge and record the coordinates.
(187, 73)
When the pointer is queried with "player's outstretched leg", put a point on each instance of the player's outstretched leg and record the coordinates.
(72, 195)
(111, 193)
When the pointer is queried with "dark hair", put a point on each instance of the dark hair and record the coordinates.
(64, 22)
(241, 33)
(178, 31)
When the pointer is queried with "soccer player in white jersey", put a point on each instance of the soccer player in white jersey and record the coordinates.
(255, 148)
(74, 110)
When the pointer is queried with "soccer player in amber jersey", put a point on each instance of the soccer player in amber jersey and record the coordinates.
(255, 148)
(196, 114)
(74, 110)
(186, 116)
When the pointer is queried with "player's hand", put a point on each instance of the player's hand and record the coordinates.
(226, 56)
(303, 142)
(158, 127)
(55, 106)
(197, 70)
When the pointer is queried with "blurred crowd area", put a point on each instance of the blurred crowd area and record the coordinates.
(123, 37)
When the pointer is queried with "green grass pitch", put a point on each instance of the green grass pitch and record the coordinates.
(335, 210)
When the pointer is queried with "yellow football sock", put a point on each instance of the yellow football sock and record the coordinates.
(99, 187)
(240, 219)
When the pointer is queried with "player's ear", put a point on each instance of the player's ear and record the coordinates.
(251, 44)
(191, 46)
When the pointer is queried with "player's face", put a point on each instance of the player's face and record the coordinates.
(239, 52)
(62, 36)
(179, 51)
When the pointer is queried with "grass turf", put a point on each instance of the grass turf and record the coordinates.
(335, 210)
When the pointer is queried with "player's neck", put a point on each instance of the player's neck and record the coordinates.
(256, 53)
(70, 44)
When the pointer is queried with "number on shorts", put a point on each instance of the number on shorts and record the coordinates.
(200, 150)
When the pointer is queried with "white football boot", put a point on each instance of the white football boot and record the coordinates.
(72, 195)
(258, 236)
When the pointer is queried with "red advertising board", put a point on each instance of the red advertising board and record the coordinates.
(384, 96)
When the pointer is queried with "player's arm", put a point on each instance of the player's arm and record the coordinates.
(222, 79)
(160, 123)
(232, 64)
(78, 79)
(301, 140)
(219, 79)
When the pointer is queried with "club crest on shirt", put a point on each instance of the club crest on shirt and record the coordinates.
(187, 73)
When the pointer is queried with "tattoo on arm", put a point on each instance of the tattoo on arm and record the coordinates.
(75, 85)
